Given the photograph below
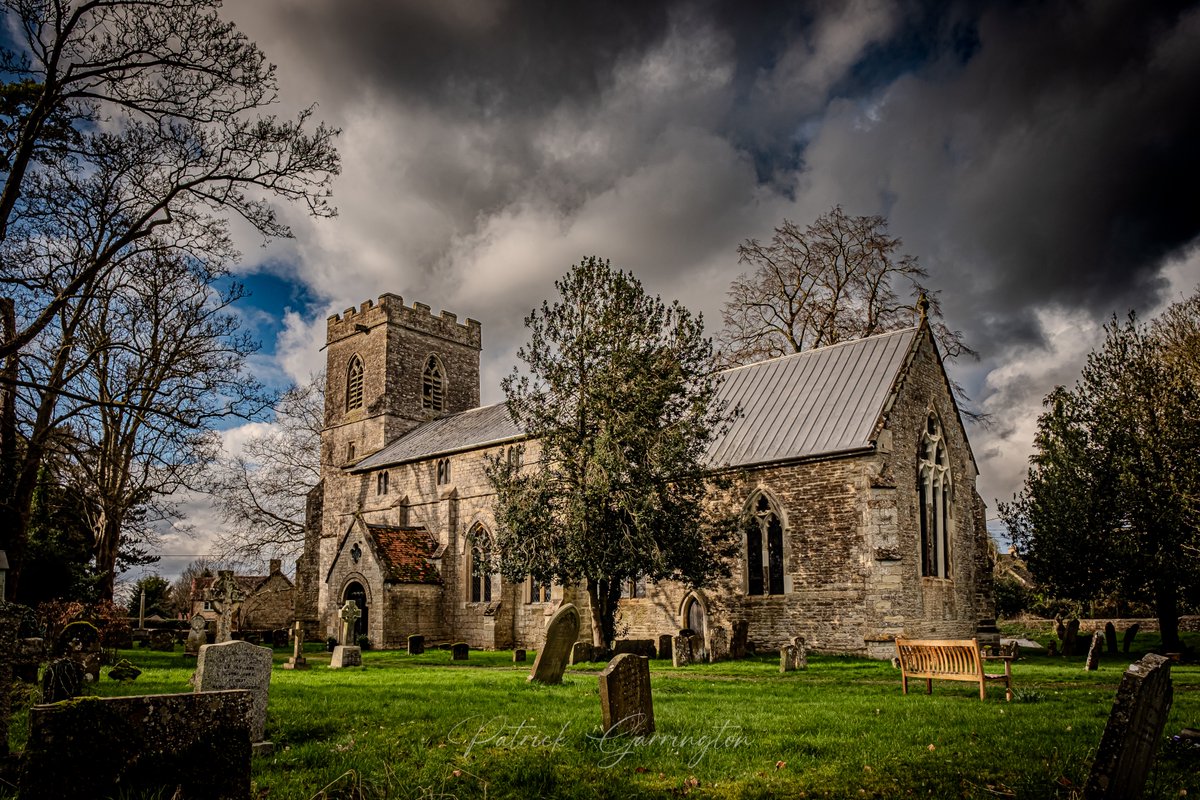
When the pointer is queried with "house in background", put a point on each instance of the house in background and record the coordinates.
(269, 602)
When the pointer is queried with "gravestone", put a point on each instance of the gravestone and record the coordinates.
(166, 745)
(561, 633)
(346, 654)
(801, 645)
(1110, 638)
(124, 670)
(737, 644)
(416, 645)
(681, 651)
(518, 656)
(1130, 634)
(1071, 640)
(664, 645)
(8, 647)
(225, 596)
(625, 701)
(297, 661)
(80, 641)
(1094, 650)
(718, 644)
(163, 641)
(582, 652)
(638, 647)
(696, 643)
(197, 636)
(1052, 648)
(1135, 725)
(238, 665)
(459, 651)
(280, 637)
(789, 658)
(62, 680)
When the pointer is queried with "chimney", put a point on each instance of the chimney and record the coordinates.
(275, 565)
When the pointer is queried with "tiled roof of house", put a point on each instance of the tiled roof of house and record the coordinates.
(813, 404)
(246, 583)
(405, 553)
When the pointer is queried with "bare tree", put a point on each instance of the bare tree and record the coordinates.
(837, 279)
(261, 492)
(181, 588)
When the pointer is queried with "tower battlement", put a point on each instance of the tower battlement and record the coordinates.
(390, 308)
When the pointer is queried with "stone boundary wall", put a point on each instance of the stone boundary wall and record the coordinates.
(1187, 624)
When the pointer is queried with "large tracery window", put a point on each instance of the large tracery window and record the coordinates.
(764, 550)
(934, 494)
(433, 386)
(479, 565)
(354, 384)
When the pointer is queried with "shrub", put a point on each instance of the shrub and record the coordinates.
(1012, 597)
(364, 642)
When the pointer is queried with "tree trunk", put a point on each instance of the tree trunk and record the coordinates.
(604, 595)
(11, 538)
(1166, 607)
(108, 540)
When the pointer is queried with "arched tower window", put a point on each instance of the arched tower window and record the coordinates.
(934, 492)
(433, 386)
(354, 384)
(479, 565)
(764, 549)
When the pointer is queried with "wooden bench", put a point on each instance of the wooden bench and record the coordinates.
(949, 660)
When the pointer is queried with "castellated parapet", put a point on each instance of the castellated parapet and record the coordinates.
(418, 317)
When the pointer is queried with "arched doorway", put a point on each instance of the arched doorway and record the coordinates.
(355, 591)
(694, 617)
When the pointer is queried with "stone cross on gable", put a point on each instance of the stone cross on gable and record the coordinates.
(226, 596)
(349, 615)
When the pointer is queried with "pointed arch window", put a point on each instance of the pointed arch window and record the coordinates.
(764, 549)
(934, 494)
(479, 565)
(433, 386)
(354, 384)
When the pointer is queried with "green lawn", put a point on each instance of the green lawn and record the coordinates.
(424, 727)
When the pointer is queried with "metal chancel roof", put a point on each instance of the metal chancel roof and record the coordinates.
(816, 403)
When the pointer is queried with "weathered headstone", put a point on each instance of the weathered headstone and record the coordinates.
(1130, 634)
(737, 644)
(238, 665)
(416, 645)
(297, 661)
(161, 640)
(1093, 656)
(582, 652)
(664, 645)
(1110, 638)
(801, 645)
(181, 745)
(80, 641)
(1135, 725)
(124, 670)
(1071, 638)
(518, 656)
(699, 654)
(718, 644)
(625, 701)
(345, 656)
(62, 680)
(789, 658)
(681, 651)
(459, 651)
(197, 635)
(561, 633)
(225, 596)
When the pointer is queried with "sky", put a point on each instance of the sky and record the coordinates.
(1039, 159)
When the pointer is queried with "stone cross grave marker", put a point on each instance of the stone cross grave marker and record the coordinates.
(349, 615)
(561, 633)
(1093, 656)
(1110, 638)
(226, 596)
(238, 665)
(297, 661)
(625, 701)
(197, 635)
(416, 645)
(1135, 725)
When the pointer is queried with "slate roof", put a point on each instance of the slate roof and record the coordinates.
(405, 553)
(817, 403)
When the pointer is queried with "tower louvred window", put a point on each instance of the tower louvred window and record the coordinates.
(433, 386)
(354, 384)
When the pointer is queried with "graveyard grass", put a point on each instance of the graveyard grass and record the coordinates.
(424, 727)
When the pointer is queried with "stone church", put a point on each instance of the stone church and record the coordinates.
(851, 461)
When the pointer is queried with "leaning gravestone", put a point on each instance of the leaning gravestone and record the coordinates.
(197, 636)
(62, 679)
(238, 665)
(165, 745)
(1130, 634)
(1110, 638)
(1093, 656)
(561, 633)
(1126, 750)
(1071, 638)
(664, 645)
(625, 701)
(737, 644)
(416, 645)
(460, 651)
(346, 654)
